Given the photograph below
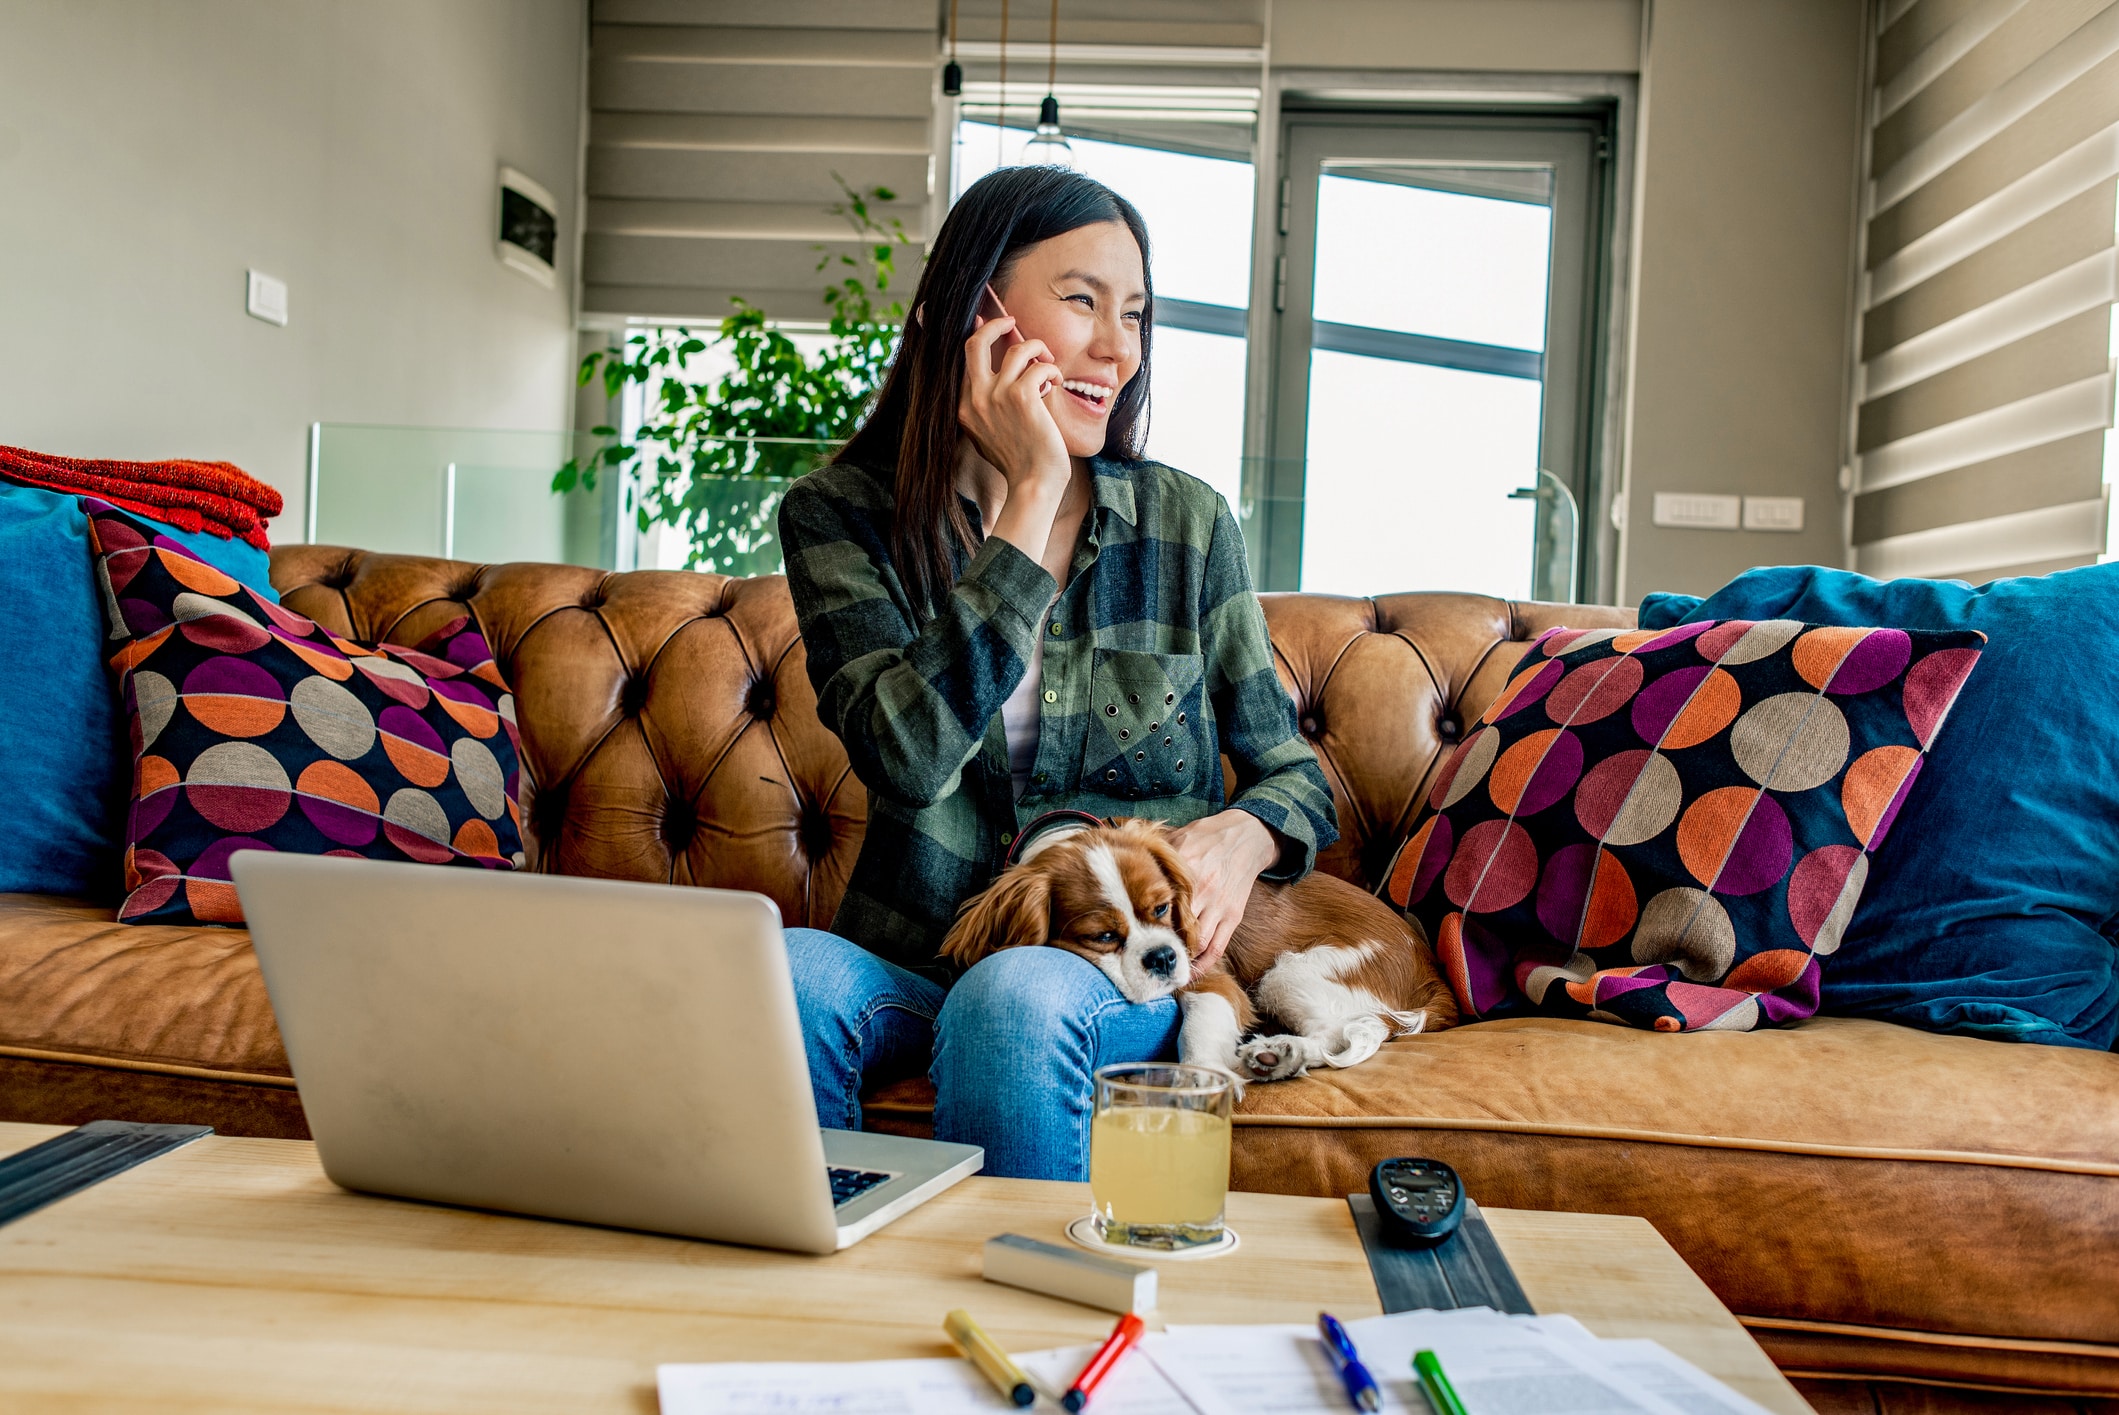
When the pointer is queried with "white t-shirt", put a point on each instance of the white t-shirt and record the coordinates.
(1019, 718)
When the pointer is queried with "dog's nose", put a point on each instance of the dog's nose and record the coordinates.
(1160, 960)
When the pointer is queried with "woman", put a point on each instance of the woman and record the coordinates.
(992, 586)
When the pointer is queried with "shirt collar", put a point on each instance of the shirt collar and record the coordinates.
(1112, 488)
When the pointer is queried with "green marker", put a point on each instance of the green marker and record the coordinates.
(1435, 1385)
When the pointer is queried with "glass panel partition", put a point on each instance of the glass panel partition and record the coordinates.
(1377, 517)
(486, 495)
(479, 494)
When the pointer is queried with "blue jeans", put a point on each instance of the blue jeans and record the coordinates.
(1010, 1048)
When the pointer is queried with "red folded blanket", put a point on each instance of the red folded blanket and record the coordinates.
(216, 497)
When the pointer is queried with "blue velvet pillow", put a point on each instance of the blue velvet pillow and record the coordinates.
(64, 765)
(1993, 904)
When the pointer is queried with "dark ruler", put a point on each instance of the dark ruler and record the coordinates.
(87, 1154)
(1464, 1270)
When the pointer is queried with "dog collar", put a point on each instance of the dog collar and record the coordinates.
(1046, 829)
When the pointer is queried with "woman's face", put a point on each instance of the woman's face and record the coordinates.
(1082, 294)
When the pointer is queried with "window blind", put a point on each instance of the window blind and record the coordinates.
(715, 128)
(1985, 378)
(1182, 75)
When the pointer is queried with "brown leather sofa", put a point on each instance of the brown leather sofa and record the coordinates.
(1871, 1200)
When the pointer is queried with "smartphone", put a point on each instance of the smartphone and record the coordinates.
(990, 307)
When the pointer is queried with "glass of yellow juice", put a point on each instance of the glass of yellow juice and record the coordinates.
(1159, 1154)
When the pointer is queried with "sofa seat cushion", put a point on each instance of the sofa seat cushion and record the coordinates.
(77, 986)
(1836, 1171)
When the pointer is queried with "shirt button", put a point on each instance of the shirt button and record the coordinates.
(1041, 778)
(1007, 839)
(1055, 628)
(1051, 695)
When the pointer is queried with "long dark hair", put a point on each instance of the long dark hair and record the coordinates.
(913, 426)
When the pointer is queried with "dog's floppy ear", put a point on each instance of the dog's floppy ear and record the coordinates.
(1015, 911)
(1183, 919)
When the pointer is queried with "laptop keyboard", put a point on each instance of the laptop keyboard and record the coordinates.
(850, 1184)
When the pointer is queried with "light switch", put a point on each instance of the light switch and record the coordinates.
(1773, 513)
(1697, 511)
(268, 298)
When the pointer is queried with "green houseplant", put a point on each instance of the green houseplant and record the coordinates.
(713, 456)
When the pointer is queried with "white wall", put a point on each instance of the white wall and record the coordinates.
(1743, 281)
(151, 151)
(1567, 36)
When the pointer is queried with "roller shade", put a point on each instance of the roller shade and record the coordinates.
(1176, 74)
(714, 129)
(1985, 381)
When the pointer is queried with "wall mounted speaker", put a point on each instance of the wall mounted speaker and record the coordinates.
(529, 232)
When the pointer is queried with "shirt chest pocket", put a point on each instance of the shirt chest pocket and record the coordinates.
(1147, 714)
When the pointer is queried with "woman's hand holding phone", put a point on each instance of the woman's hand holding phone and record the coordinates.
(1002, 409)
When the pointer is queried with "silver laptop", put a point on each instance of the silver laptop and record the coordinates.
(623, 1054)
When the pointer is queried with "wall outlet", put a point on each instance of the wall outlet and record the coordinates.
(1773, 513)
(1697, 511)
(267, 299)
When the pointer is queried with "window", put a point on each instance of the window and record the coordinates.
(1431, 375)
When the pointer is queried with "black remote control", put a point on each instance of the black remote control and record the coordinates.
(1420, 1202)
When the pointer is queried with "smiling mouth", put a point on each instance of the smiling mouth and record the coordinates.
(1095, 396)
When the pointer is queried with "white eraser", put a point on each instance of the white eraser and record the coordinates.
(1070, 1274)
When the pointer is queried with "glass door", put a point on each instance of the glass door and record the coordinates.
(1430, 399)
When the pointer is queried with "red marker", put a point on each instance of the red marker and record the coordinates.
(1115, 1345)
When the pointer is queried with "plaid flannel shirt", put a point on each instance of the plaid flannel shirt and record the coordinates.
(1156, 663)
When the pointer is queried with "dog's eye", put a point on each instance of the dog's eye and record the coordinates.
(1160, 910)
(1107, 936)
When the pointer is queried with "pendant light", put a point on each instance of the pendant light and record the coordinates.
(952, 72)
(1048, 146)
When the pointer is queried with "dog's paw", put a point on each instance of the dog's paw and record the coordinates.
(1273, 1058)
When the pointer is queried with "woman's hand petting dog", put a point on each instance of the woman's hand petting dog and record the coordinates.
(1225, 854)
(1336, 969)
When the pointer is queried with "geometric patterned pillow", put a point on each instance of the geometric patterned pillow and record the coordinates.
(1671, 829)
(254, 728)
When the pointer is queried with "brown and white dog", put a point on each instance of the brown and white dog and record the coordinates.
(1337, 968)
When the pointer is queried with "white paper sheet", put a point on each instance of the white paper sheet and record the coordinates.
(1136, 1386)
(1503, 1366)
(941, 1385)
(1500, 1365)
(930, 1387)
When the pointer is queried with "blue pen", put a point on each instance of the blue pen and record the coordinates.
(1360, 1385)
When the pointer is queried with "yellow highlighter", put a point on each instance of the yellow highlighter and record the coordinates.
(986, 1354)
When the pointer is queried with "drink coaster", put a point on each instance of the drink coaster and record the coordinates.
(1083, 1232)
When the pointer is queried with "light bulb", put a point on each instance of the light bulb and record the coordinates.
(1048, 146)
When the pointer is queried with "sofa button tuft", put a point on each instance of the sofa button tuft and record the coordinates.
(679, 822)
(761, 701)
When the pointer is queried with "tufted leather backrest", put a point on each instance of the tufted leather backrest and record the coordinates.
(1385, 688)
(670, 732)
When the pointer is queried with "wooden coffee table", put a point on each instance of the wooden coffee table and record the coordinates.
(232, 1276)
